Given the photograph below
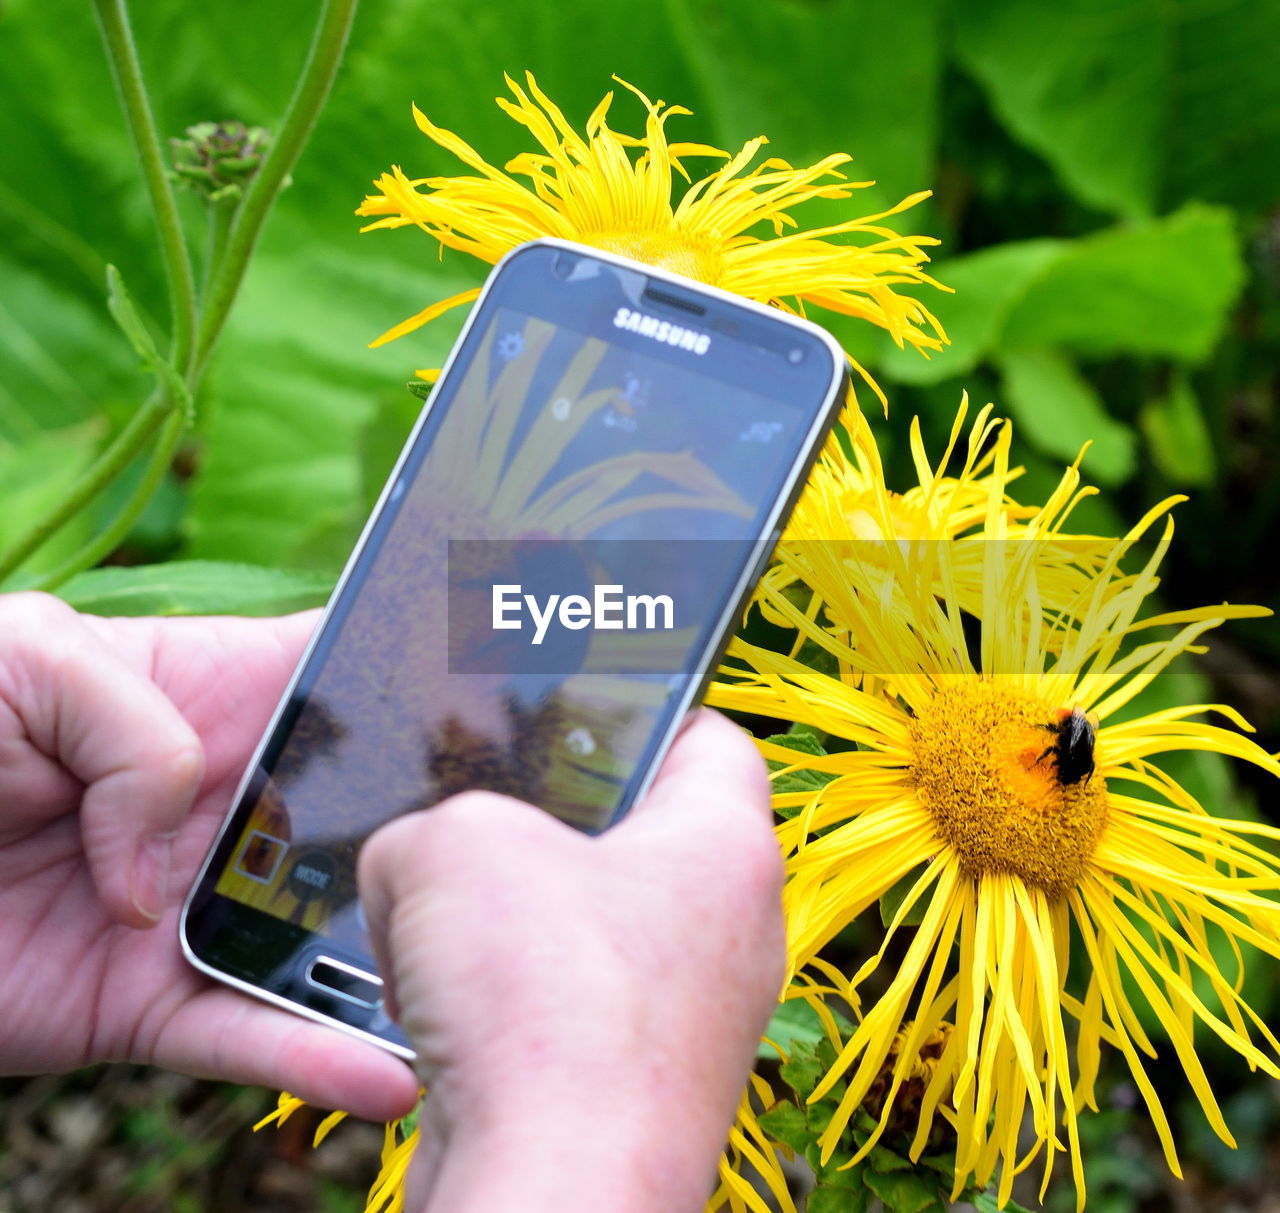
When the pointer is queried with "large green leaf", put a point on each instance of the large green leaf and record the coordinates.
(878, 68)
(1058, 411)
(1222, 127)
(1177, 435)
(988, 285)
(69, 198)
(1137, 104)
(34, 476)
(1164, 287)
(60, 360)
(280, 478)
(196, 587)
(1081, 82)
(573, 48)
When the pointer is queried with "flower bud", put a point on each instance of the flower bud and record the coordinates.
(217, 159)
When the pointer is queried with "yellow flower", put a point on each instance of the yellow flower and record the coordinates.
(966, 782)
(750, 1147)
(593, 190)
(398, 1145)
(852, 542)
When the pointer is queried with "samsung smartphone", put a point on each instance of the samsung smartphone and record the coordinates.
(568, 538)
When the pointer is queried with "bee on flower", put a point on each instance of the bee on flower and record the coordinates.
(1004, 782)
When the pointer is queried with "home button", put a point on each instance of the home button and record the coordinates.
(349, 983)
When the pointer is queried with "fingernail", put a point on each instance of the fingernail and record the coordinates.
(150, 888)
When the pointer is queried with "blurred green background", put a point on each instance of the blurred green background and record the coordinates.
(1107, 190)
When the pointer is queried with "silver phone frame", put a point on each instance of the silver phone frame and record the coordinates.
(768, 534)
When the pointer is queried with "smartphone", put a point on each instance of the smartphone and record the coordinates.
(545, 585)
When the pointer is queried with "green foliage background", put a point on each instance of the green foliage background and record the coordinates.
(1107, 177)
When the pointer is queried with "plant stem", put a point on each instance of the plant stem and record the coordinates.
(221, 217)
(308, 98)
(106, 543)
(123, 54)
(123, 449)
(233, 236)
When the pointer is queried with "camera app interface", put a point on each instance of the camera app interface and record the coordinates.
(556, 550)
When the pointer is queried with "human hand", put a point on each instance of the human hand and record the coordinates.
(121, 743)
(585, 1010)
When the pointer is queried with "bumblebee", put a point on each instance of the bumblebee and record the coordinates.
(1073, 750)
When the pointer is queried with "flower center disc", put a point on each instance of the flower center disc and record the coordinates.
(986, 770)
(667, 250)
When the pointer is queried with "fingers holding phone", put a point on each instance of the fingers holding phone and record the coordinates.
(549, 978)
(81, 730)
(533, 609)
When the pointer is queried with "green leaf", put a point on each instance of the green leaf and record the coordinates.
(60, 358)
(804, 742)
(572, 48)
(1057, 409)
(195, 587)
(410, 1122)
(35, 476)
(786, 1123)
(885, 1161)
(800, 729)
(1082, 83)
(988, 284)
(821, 1114)
(1164, 287)
(1178, 437)
(795, 1021)
(382, 440)
(121, 306)
(896, 894)
(1223, 115)
(803, 1069)
(880, 68)
(942, 1164)
(813, 1156)
(1135, 103)
(825, 1199)
(125, 312)
(291, 410)
(836, 1172)
(907, 1191)
(67, 167)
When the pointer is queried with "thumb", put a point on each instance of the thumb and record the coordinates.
(439, 865)
(712, 777)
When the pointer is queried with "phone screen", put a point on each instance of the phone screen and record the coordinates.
(593, 483)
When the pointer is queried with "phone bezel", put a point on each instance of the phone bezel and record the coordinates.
(766, 537)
